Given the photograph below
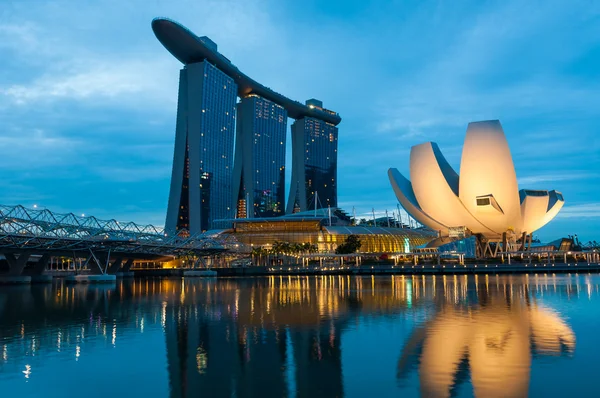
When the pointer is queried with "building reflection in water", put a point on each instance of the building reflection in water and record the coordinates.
(492, 340)
(282, 336)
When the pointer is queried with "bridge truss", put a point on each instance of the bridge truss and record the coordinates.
(41, 230)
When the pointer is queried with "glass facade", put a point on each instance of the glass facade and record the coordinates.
(203, 149)
(259, 171)
(326, 238)
(314, 145)
(321, 161)
(219, 95)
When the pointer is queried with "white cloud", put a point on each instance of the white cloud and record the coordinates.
(36, 149)
(107, 80)
(479, 73)
(535, 179)
(587, 210)
(72, 61)
(23, 38)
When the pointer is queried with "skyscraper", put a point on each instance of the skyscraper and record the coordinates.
(314, 163)
(201, 186)
(259, 168)
(202, 172)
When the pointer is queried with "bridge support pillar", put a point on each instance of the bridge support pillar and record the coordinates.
(92, 264)
(38, 274)
(16, 264)
(40, 267)
(128, 264)
(97, 263)
(126, 272)
(15, 269)
(114, 267)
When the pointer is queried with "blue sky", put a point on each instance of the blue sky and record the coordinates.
(88, 95)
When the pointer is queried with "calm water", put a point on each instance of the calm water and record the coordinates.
(304, 337)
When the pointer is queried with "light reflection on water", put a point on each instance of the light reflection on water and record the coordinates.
(435, 336)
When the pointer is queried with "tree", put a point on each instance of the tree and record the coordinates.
(351, 245)
(297, 248)
(258, 252)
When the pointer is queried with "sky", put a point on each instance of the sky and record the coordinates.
(88, 95)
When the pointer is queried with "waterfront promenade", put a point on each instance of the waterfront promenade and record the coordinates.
(364, 264)
(376, 269)
(402, 263)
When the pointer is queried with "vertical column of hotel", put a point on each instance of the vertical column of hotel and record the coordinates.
(314, 163)
(243, 141)
(195, 120)
(206, 117)
(297, 197)
(259, 170)
(216, 145)
(178, 207)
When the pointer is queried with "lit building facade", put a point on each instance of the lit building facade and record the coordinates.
(201, 178)
(484, 200)
(325, 232)
(259, 167)
(204, 191)
(314, 163)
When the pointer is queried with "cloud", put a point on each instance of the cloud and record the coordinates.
(483, 72)
(81, 88)
(536, 179)
(34, 149)
(586, 210)
(107, 80)
(23, 37)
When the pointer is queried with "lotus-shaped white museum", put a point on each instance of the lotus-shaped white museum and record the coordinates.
(484, 200)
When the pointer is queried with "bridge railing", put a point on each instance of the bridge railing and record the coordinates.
(21, 227)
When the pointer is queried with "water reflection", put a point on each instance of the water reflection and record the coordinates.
(283, 336)
(493, 338)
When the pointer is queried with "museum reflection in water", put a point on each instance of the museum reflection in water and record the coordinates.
(236, 336)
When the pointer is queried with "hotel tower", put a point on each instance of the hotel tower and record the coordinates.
(208, 188)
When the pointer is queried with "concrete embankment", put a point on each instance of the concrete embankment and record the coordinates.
(174, 272)
(367, 269)
(91, 278)
(14, 279)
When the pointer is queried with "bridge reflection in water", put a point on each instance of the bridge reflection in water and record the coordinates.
(282, 336)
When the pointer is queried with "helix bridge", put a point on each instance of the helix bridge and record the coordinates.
(25, 232)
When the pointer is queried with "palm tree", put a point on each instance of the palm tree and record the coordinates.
(257, 252)
(306, 247)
